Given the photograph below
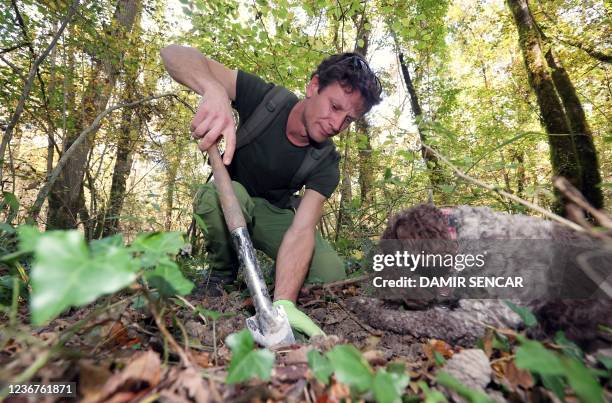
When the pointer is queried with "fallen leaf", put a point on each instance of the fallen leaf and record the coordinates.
(442, 347)
(137, 378)
(92, 378)
(290, 373)
(202, 358)
(517, 376)
(375, 357)
(295, 356)
(190, 385)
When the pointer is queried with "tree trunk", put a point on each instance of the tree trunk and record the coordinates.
(563, 150)
(64, 200)
(123, 165)
(346, 193)
(366, 160)
(583, 137)
(436, 172)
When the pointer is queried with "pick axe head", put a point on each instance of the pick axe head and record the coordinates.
(271, 331)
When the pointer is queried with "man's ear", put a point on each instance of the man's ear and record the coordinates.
(313, 86)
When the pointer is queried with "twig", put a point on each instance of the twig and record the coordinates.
(8, 133)
(355, 319)
(507, 195)
(167, 336)
(575, 196)
(338, 283)
(193, 308)
(44, 191)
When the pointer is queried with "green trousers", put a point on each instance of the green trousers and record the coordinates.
(267, 225)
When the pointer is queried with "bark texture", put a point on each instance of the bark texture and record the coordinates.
(436, 172)
(65, 201)
(565, 148)
(583, 136)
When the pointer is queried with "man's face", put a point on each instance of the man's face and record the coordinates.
(331, 110)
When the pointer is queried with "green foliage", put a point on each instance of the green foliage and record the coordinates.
(168, 279)
(474, 396)
(388, 387)
(350, 367)
(320, 366)
(431, 396)
(247, 361)
(525, 313)
(66, 273)
(557, 370)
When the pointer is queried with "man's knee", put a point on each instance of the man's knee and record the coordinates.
(326, 266)
(207, 199)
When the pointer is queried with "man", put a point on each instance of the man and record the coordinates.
(340, 91)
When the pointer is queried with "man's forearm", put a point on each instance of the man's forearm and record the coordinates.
(189, 67)
(292, 263)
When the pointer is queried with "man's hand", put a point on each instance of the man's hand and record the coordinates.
(298, 320)
(214, 119)
(217, 85)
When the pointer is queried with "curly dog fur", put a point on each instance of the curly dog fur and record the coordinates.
(578, 318)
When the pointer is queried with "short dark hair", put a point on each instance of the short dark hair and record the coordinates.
(350, 70)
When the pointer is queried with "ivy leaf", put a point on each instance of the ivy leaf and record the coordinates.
(532, 355)
(350, 367)
(474, 396)
(28, 238)
(554, 383)
(169, 280)
(389, 387)
(247, 362)
(568, 347)
(320, 366)
(582, 381)
(526, 315)
(156, 247)
(65, 273)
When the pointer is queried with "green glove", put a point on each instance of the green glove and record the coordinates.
(299, 320)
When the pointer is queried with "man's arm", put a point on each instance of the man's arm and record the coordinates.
(217, 85)
(297, 247)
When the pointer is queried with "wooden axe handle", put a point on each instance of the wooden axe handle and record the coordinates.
(229, 203)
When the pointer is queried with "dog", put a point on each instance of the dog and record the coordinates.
(558, 292)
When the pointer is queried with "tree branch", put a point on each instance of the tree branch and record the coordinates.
(507, 195)
(44, 191)
(8, 133)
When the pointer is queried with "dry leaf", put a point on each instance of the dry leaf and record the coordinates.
(517, 376)
(92, 378)
(137, 378)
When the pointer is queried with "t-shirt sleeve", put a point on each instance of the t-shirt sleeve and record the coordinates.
(325, 179)
(250, 91)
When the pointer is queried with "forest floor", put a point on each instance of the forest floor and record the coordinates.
(120, 355)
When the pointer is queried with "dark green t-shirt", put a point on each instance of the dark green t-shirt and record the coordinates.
(266, 166)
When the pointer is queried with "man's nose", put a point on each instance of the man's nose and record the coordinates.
(337, 121)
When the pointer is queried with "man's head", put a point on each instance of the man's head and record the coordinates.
(341, 90)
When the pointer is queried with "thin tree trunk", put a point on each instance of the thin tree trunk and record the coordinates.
(8, 132)
(563, 150)
(436, 172)
(121, 171)
(366, 160)
(346, 194)
(583, 137)
(64, 200)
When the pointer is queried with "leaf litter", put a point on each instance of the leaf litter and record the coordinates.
(121, 356)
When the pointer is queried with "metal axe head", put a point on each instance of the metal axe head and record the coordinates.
(273, 330)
